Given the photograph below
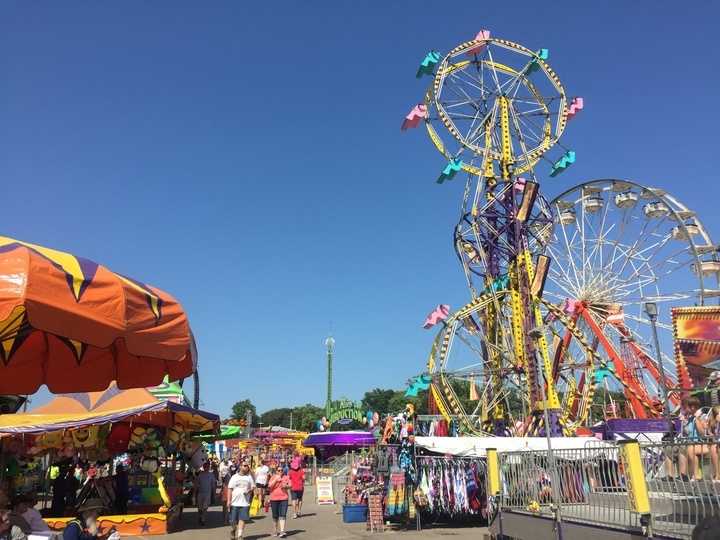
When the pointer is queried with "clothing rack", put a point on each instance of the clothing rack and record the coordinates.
(449, 458)
(423, 459)
(421, 417)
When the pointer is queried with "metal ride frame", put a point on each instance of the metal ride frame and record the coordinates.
(553, 344)
(491, 107)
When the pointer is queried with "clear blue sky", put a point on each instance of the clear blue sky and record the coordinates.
(246, 157)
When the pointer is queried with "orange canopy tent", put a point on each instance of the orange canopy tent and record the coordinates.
(81, 409)
(76, 326)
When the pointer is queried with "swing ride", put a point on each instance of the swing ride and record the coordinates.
(557, 288)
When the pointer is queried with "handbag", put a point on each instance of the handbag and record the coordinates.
(255, 507)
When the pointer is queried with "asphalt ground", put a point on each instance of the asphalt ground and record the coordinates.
(317, 523)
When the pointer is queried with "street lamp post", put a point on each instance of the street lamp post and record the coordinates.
(651, 311)
(536, 334)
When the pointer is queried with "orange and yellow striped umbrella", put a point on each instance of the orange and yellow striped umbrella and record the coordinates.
(76, 326)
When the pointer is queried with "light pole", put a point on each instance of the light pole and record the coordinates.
(330, 344)
(651, 311)
(536, 334)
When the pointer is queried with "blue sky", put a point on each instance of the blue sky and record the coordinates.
(247, 158)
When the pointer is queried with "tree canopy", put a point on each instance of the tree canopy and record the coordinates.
(239, 410)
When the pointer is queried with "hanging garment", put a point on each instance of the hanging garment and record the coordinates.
(405, 459)
(383, 461)
(396, 502)
(453, 487)
(424, 499)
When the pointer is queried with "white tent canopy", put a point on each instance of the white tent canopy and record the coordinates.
(476, 446)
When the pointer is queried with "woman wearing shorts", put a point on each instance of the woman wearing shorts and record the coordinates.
(297, 485)
(279, 485)
(261, 479)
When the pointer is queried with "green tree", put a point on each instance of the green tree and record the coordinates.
(240, 409)
(379, 400)
(277, 417)
(305, 416)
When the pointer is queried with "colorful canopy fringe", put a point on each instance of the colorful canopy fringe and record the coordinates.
(76, 326)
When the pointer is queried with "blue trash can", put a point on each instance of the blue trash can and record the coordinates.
(354, 513)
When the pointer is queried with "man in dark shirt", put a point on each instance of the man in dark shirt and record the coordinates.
(122, 489)
(85, 526)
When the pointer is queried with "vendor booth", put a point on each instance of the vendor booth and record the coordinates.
(332, 443)
(274, 445)
(123, 447)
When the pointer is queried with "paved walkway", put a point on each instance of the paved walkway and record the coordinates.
(319, 523)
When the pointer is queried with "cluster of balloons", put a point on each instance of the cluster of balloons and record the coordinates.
(371, 419)
(322, 424)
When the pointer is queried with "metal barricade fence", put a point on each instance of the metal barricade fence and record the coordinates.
(683, 483)
(662, 488)
(585, 485)
(339, 469)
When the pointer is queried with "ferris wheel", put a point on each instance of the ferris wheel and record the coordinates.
(502, 109)
(616, 246)
(498, 101)
(558, 289)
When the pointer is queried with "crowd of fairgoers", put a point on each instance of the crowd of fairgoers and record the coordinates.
(250, 484)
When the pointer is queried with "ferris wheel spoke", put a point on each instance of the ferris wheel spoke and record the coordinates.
(519, 120)
(655, 270)
(569, 251)
(538, 111)
(603, 234)
(516, 125)
(531, 126)
(461, 77)
(562, 277)
(473, 123)
(617, 246)
(675, 261)
(461, 94)
(529, 120)
(491, 114)
(619, 236)
(632, 254)
(641, 320)
(538, 98)
(494, 72)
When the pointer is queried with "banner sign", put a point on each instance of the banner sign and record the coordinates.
(324, 490)
(697, 335)
(344, 409)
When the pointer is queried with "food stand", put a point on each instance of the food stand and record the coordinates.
(151, 438)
